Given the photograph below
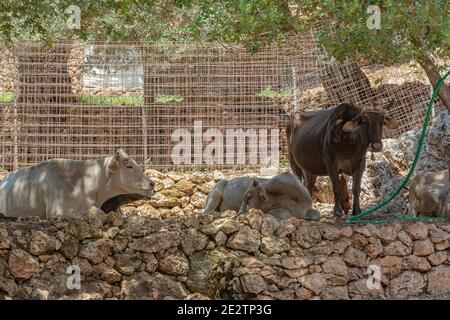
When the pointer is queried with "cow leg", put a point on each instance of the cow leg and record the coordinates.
(345, 197)
(310, 183)
(412, 212)
(334, 177)
(443, 205)
(356, 188)
(213, 201)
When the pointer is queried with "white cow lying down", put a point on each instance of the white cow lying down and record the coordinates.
(430, 194)
(69, 187)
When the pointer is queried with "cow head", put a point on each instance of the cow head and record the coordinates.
(127, 176)
(256, 197)
(371, 121)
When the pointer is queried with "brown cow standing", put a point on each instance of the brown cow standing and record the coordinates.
(333, 142)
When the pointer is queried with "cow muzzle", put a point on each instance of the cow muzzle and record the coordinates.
(376, 147)
(148, 188)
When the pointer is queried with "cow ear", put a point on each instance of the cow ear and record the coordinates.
(122, 157)
(113, 166)
(350, 126)
(263, 195)
(391, 123)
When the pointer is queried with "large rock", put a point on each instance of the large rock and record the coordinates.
(198, 200)
(143, 286)
(439, 281)
(355, 257)
(437, 258)
(387, 234)
(206, 187)
(315, 282)
(70, 246)
(151, 263)
(418, 231)
(156, 242)
(201, 277)
(174, 264)
(396, 249)
(22, 265)
(335, 293)
(162, 201)
(255, 220)
(373, 250)
(307, 236)
(335, 265)
(5, 240)
(185, 186)
(193, 240)
(438, 235)
(84, 265)
(269, 225)
(416, 263)
(253, 283)
(245, 239)
(408, 283)
(226, 225)
(273, 245)
(9, 286)
(423, 247)
(41, 243)
(285, 228)
(107, 273)
(359, 289)
(127, 263)
(96, 251)
(89, 225)
(329, 232)
(292, 263)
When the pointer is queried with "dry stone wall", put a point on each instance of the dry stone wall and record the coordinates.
(226, 256)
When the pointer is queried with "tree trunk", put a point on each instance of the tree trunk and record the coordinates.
(433, 75)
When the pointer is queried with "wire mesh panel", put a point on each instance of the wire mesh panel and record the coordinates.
(83, 100)
(212, 87)
(77, 132)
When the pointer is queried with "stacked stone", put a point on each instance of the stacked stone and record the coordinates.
(8, 70)
(228, 256)
(328, 262)
(177, 194)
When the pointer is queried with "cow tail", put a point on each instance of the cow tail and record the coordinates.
(295, 168)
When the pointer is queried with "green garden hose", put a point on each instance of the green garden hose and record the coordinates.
(355, 219)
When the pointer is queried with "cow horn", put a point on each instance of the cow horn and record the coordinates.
(376, 107)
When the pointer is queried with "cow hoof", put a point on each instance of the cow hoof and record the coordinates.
(338, 213)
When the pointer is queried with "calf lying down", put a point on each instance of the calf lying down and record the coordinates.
(429, 194)
(70, 187)
(282, 196)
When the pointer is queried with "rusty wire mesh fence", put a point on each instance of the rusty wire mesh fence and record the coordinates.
(82, 101)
